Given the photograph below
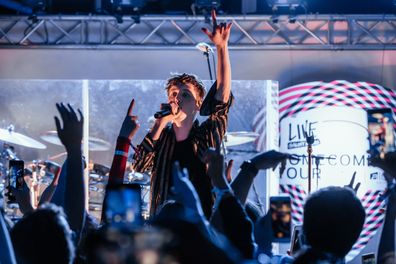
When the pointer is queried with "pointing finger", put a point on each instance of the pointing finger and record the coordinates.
(130, 108)
(214, 19)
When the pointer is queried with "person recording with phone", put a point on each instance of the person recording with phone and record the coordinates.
(177, 135)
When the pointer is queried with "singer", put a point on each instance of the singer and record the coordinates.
(177, 135)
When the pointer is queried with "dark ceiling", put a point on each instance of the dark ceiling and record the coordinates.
(184, 7)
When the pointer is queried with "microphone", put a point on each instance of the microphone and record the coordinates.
(205, 48)
(162, 113)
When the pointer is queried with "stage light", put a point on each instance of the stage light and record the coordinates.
(207, 4)
(290, 4)
(127, 5)
(118, 8)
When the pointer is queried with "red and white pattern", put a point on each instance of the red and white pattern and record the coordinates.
(373, 206)
(303, 97)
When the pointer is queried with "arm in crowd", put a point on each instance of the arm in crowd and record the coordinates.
(6, 250)
(71, 137)
(228, 212)
(184, 193)
(128, 130)
(48, 193)
(386, 248)
(244, 179)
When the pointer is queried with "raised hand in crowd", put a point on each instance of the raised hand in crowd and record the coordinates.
(130, 125)
(184, 193)
(22, 197)
(350, 185)
(269, 159)
(264, 235)
(70, 134)
(48, 193)
(249, 169)
(215, 162)
(72, 131)
(227, 210)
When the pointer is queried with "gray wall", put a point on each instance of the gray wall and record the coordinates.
(287, 66)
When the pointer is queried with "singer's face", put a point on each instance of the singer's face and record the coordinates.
(183, 97)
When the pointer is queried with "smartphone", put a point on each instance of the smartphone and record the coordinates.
(296, 242)
(381, 131)
(122, 205)
(280, 210)
(368, 258)
(16, 169)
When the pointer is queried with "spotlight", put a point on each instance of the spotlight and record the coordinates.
(207, 4)
(127, 6)
(290, 4)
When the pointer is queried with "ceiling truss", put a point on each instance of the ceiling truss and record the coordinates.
(249, 32)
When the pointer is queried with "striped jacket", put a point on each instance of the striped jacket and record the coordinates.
(156, 156)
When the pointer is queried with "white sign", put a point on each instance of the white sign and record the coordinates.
(339, 150)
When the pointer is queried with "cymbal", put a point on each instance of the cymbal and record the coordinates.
(9, 136)
(239, 138)
(94, 144)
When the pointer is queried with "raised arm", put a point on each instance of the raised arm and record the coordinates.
(250, 168)
(6, 250)
(386, 248)
(128, 130)
(71, 136)
(219, 37)
(228, 212)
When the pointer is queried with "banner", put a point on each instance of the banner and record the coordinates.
(335, 114)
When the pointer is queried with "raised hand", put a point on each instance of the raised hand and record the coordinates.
(22, 197)
(269, 159)
(350, 185)
(220, 33)
(131, 124)
(71, 133)
(215, 161)
(183, 190)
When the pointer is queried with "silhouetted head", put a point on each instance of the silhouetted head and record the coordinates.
(333, 220)
(43, 236)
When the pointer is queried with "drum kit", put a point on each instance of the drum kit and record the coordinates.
(98, 176)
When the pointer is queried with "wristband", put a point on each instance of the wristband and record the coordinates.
(121, 153)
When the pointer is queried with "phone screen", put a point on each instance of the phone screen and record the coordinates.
(368, 258)
(380, 128)
(16, 169)
(281, 218)
(122, 205)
